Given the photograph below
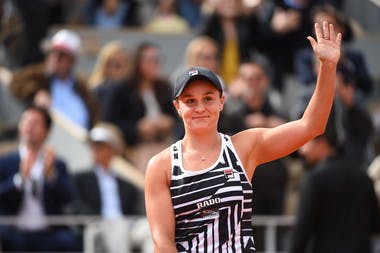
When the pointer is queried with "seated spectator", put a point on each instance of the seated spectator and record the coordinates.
(253, 98)
(352, 58)
(287, 23)
(99, 190)
(34, 184)
(191, 11)
(236, 34)
(36, 17)
(166, 19)
(338, 210)
(112, 66)
(112, 13)
(54, 85)
(142, 106)
(354, 122)
(201, 51)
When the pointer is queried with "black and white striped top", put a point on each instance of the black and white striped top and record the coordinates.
(213, 207)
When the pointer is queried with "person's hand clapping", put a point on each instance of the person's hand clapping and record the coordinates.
(49, 163)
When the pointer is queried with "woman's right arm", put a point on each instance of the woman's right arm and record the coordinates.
(158, 203)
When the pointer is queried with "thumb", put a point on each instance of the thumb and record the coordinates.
(312, 41)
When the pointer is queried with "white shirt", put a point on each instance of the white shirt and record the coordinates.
(32, 216)
(109, 193)
(151, 105)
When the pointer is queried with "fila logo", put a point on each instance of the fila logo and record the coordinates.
(209, 202)
(193, 72)
(229, 174)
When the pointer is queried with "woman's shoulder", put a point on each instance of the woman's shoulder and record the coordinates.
(161, 160)
(159, 166)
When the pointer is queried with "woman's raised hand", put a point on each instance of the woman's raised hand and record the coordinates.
(326, 47)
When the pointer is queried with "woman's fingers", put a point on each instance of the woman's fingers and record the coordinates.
(326, 33)
(339, 39)
(318, 32)
(332, 35)
(312, 41)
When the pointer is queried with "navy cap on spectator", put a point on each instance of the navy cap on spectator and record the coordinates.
(193, 74)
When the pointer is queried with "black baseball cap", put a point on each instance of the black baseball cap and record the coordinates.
(195, 73)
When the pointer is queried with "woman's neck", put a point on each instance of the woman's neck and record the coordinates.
(201, 142)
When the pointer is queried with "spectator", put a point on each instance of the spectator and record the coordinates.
(142, 107)
(201, 51)
(37, 17)
(191, 11)
(112, 66)
(99, 190)
(233, 32)
(34, 184)
(102, 192)
(338, 210)
(253, 98)
(352, 58)
(166, 19)
(353, 120)
(54, 84)
(112, 13)
(288, 23)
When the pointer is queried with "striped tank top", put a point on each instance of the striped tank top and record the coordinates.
(213, 207)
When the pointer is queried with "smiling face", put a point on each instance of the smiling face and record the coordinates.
(199, 105)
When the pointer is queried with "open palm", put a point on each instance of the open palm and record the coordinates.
(326, 47)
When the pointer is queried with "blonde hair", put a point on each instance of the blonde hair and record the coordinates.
(107, 51)
(195, 46)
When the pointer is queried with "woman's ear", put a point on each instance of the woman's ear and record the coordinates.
(176, 106)
(222, 100)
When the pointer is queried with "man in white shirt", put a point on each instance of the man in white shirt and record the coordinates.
(34, 184)
(99, 189)
(101, 192)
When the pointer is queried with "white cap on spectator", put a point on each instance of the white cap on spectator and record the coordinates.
(107, 133)
(67, 41)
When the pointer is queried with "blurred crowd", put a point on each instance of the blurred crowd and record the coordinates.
(125, 104)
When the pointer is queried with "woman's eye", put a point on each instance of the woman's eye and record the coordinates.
(208, 99)
(189, 101)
